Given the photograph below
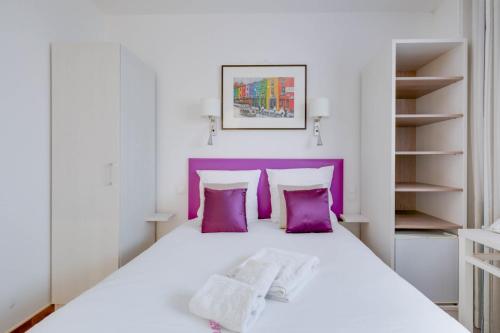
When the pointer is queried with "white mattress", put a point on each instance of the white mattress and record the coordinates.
(353, 291)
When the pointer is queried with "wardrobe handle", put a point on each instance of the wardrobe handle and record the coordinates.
(109, 174)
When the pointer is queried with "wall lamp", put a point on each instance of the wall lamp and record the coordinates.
(210, 107)
(318, 108)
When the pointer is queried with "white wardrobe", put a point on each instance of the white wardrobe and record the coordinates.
(103, 163)
(414, 160)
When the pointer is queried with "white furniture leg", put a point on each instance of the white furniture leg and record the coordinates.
(466, 285)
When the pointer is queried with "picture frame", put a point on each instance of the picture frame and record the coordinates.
(264, 97)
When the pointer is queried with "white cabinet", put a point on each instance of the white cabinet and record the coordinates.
(103, 163)
(429, 261)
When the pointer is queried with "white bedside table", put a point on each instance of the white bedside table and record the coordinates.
(468, 259)
(159, 218)
(353, 222)
(353, 218)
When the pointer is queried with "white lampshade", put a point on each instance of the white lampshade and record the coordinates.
(319, 107)
(210, 107)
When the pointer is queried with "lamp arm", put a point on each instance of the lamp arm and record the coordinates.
(211, 130)
(317, 131)
(212, 126)
(316, 128)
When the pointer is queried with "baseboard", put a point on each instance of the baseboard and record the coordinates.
(33, 320)
(448, 307)
(451, 309)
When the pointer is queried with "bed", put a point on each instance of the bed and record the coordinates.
(354, 291)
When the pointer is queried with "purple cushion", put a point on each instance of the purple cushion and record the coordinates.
(307, 211)
(224, 211)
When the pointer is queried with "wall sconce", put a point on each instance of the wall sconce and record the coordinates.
(210, 107)
(318, 108)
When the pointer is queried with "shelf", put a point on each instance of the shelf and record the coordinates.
(417, 220)
(354, 218)
(408, 120)
(414, 87)
(422, 153)
(421, 187)
(488, 256)
(160, 217)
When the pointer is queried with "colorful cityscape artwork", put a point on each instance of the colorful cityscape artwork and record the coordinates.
(263, 97)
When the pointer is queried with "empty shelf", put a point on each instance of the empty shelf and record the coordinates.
(429, 152)
(488, 256)
(414, 87)
(421, 187)
(418, 220)
(405, 120)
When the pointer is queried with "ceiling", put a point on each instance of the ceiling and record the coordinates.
(138, 7)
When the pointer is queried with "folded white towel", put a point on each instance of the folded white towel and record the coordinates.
(258, 274)
(296, 270)
(233, 304)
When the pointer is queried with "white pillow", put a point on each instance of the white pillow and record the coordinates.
(297, 177)
(251, 177)
(333, 218)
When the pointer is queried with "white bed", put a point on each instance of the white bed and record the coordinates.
(353, 291)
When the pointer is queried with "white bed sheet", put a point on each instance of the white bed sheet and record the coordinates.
(353, 292)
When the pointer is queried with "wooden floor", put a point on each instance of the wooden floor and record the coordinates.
(34, 320)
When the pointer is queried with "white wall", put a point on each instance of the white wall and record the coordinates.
(188, 50)
(26, 29)
(447, 19)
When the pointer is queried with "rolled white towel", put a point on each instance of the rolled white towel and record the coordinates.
(258, 274)
(296, 270)
(233, 304)
(290, 295)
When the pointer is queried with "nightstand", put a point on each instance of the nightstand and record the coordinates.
(468, 260)
(353, 218)
(159, 218)
(353, 222)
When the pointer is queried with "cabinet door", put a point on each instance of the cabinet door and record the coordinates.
(85, 152)
(430, 264)
(138, 155)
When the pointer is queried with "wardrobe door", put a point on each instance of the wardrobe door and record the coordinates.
(138, 156)
(85, 152)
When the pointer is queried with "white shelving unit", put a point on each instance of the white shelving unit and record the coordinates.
(414, 156)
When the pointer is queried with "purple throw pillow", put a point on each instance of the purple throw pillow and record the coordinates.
(224, 211)
(307, 211)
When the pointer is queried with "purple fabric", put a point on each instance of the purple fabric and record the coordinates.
(307, 211)
(224, 211)
(263, 193)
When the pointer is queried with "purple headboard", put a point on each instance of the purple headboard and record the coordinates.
(263, 194)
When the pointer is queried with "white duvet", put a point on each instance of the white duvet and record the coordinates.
(352, 292)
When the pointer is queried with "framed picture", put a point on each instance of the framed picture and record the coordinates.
(264, 97)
